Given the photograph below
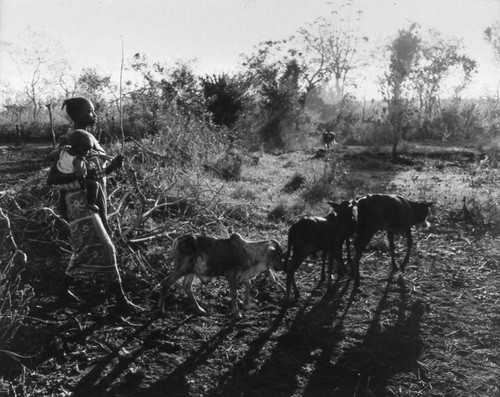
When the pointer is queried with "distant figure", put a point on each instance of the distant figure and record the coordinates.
(328, 139)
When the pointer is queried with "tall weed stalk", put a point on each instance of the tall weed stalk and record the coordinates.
(14, 304)
(324, 186)
(14, 295)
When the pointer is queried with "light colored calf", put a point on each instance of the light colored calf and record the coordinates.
(207, 257)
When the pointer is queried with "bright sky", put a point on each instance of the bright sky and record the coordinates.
(216, 32)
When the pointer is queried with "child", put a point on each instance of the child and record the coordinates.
(72, 159)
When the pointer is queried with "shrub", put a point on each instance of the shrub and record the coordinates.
(324, 185)
(287, 210)
(318, 190)
(243, 192)
(370, 134)
(278, 213)
(298, 180)
(236, 213)
(228, 166)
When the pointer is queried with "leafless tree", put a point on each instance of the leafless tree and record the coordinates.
(39, 64)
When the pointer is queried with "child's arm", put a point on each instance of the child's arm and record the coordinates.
(116, 163)
(97, 145)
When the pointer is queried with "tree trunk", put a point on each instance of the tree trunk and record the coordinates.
(49, 108)
(19, 139)
(395, 149)
(32, 96)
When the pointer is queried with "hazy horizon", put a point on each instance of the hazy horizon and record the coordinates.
(214, 33)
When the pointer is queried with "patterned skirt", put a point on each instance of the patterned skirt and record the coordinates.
(94, 254)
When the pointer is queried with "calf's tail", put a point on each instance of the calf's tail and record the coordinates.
(287, 255)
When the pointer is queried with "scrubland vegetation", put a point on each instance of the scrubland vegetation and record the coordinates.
(243, 152)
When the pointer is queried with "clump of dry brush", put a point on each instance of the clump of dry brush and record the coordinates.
(14, 295)
(30, 233)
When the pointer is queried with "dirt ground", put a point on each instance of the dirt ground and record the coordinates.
(432, 331)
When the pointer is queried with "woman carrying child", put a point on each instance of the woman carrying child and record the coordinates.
(94, 254)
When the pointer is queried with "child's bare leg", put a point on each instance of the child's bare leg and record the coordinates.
(92, 195)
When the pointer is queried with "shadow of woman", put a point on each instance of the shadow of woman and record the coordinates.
(176, 383)
(50, 330)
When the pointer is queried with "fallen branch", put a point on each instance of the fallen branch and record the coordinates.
(152, 237)
(10, 237)
(58, 217)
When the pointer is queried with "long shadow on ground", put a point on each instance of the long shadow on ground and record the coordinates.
(293, 352)
(176, 384)
(54, 327)
(367, 368)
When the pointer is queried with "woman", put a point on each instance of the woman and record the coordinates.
(94, 254)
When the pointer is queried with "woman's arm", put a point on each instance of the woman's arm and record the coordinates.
(116, 163)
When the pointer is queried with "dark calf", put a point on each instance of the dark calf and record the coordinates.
(234, 258)
(347, 213)
(393, 213)
(308, 236)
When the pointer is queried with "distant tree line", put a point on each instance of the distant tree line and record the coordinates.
(280, 95)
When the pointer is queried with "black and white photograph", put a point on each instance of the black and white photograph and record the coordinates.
(249, 198)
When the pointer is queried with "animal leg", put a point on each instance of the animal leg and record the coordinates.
(330, 269)
(294, 283)
(359, 245)
(187, 284)
(323, 260)
(165, 286)
(340, 261)
(392, 247)
(409, 242)
(289, 282)
(248, 285)
(341, 269)
(233, 292)
(287, 255)
(290, 278)
(348, 249)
